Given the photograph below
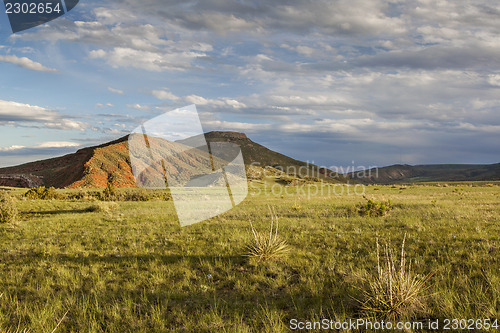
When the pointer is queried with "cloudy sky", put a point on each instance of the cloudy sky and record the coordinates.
(336, 81)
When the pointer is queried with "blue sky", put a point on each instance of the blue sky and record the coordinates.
(374, 82)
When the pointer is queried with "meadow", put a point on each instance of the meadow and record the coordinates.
(75, 264)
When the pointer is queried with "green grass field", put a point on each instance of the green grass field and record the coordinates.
(68, 266)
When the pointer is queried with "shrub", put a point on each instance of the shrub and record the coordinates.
(312, 179)
(103, 207)
(112, 194)
(109, 191)
(373, 208)
(41, 193)
(135, 195)
(267, 246)
(8, 210)
(285, 180)
(396, 292)
(84, 195)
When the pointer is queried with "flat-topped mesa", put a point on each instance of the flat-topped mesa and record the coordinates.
(95, 167)
(229, 135)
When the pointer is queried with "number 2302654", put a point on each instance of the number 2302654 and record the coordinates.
(32, 8)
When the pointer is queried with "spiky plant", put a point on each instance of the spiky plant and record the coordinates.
(396, 291)
(267, 246)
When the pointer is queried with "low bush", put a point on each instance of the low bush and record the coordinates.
(8, 210)
(103, 207)
(374, 208)
(84, 195)
(135, 195)
(42, 193)
(109, 192)
(311, 179)
(142, 195)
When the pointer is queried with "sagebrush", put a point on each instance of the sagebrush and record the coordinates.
(8, 210)
(375, 208)
(42, 193)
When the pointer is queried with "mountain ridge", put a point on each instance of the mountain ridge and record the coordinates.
(400, 173)
(95, 167)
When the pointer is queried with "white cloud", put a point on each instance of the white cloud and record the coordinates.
(113, 16)
(164, 94)
(199, 100)
(57, 144)
(234, 103)
(236, 126)
(48, 149)
(138, 107)
(26, 63)
(11, 148)
(222, 102)
(15, 113)
(116, 91)
(367, 70)
(100, 105)
(155, 61)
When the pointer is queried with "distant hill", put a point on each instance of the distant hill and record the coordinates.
(94, 167)
(256, 154)
(428, 173)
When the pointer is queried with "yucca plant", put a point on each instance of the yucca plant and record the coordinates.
(267, 246)
(396, 291)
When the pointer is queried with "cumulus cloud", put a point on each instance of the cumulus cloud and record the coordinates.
(235, 126)
(23, 154)
(223, 102)
(259, 17)
(57, 144)
(26, 63)
(148, 60)
(164, 94)
(473, 55)
(20, 114)
(361, 72)
(11, 148)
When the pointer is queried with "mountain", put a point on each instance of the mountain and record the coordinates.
(427, 173)
(94, 167)
(88, 167)
(256, 154)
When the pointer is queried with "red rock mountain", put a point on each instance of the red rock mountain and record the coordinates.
(94, 167)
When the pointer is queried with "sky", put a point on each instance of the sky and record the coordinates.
(335, 83)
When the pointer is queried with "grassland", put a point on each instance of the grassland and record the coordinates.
(131, 268)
